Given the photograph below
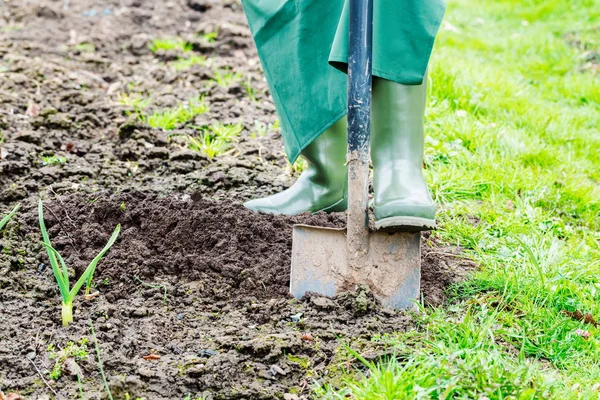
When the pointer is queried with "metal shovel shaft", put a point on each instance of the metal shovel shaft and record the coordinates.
(359, 129)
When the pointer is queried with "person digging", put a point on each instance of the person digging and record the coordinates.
(303, 48)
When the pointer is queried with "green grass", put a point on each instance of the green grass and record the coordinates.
(135, 101)
(215, 139)
(224, 77)
(53, 160)
(171, 118)
(188, 62)
(512, 124)
(166, 44)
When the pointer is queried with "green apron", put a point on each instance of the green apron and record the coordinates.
(299, 41)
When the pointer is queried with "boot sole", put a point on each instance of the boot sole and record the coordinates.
(405, 224)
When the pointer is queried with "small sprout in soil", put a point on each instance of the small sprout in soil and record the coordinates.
(186, 63)
(170, 44)
(225, 77)
(163, 287)
(210, 37)
(249, 89)
(215, 139)
(84, 47)
(298, 167)
(169, 119)
(99, 356)
(53, 160)
(134, 101)
(7, 218)
(61, 272)
(123, 206)
(78, 351)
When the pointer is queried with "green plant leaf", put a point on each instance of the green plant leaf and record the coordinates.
(89, 271)
(9, 216)
(62, 277)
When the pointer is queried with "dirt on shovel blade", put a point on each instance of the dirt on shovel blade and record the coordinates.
(193, 298)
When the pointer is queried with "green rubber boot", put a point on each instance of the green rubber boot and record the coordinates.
(402, 200)
(322, 186)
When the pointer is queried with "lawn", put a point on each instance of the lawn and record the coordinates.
(513, 161)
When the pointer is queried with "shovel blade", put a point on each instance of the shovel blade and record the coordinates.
(392, 265)
(319, 260)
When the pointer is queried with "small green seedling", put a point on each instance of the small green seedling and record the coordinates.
(78, 351)
(169, 119)
(249, 89)
(210, 37)
(9, 216)
(225, 77)
(298, 167)
(61, 272)
(134, 101)
(85, 47)
(215, 139)
(186, 63)
(170, 44)
(53, 160)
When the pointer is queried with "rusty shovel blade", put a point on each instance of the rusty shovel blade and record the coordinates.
(392, 270)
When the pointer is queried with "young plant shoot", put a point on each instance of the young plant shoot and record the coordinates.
(9, 216)
(61, 273)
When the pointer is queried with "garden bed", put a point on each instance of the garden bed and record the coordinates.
(193, 298)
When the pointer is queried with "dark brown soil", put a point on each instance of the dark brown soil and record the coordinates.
(194, 278)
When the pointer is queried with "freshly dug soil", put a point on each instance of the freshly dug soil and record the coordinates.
(195, 281)
(202, 284)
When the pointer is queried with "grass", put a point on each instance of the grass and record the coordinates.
(8, 217)
(215, 139)
(61, 272)
(171, 118)
(166, 44)
(100, 366)
(225, 78)
(188, 62)
(53, 160)
(512, 160)
(135, 101)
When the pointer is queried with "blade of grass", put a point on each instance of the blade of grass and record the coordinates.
(9, 216)
(108, 393)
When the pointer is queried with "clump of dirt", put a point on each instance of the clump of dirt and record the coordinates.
(201, 284)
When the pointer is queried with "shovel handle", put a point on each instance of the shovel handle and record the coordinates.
(359, 128)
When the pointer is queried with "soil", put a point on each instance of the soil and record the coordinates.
(195, 281)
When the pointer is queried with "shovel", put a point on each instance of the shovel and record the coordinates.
(327, 261)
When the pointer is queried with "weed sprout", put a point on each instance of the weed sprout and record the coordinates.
(215, 139)
(170, 44)
(5, 220)
(169, 119)
(225, 77)
(61, 272)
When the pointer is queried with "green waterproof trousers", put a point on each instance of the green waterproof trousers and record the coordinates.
(303, 48)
